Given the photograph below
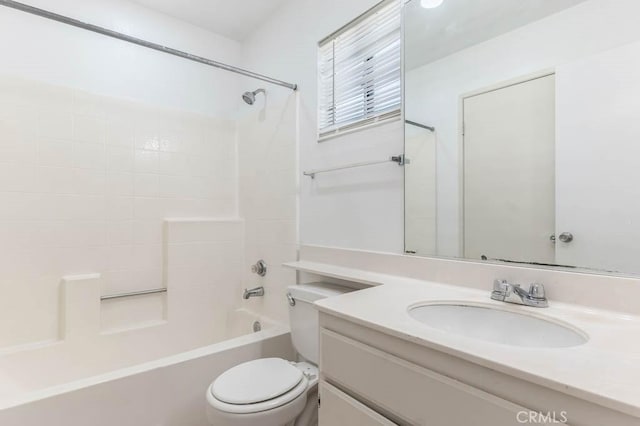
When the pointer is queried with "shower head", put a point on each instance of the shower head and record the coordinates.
(250, 97)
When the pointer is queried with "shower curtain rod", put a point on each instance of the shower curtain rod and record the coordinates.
(424, 126)
(114, 34)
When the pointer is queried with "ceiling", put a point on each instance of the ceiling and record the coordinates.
(235, 19)
(432, 34)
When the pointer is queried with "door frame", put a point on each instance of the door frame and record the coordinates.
(461, 152)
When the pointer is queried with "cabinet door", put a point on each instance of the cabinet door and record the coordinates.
(412, 393)
(339, 409)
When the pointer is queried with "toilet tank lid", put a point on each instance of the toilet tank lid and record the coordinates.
(316, 291)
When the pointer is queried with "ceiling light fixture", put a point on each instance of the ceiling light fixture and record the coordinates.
(430, 4)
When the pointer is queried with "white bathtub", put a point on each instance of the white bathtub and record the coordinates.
(169, 391)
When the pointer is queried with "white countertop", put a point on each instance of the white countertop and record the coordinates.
(605, 370)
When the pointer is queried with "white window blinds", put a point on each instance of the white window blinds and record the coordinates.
(360, 72)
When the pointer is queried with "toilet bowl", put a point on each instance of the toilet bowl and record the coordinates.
(274, 391)
(266, 392)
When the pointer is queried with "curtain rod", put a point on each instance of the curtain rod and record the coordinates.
(140, 42)
(424, 126)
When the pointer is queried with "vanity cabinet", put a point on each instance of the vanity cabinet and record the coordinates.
(370, 378)
(405, 390)
(339, 409)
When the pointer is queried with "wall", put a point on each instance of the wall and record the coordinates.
(100, 141)
(359, 208)
(202, 261)
(420, 181)
(578, 32)
(268, 182)
(59, 54)
(84, 186)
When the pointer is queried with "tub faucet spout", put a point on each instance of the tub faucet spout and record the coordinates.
(253, 292)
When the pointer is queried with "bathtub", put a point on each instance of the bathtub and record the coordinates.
(169, 391)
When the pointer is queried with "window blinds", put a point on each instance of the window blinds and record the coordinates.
(360, 72)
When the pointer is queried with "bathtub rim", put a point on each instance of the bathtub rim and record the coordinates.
(276, 330)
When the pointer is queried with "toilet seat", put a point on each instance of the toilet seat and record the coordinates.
(256, 386)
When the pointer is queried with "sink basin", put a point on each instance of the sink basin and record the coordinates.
(497, 326)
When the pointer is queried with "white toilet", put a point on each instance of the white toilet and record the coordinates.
(274, 391)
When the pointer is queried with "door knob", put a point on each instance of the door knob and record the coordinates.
(566, 237)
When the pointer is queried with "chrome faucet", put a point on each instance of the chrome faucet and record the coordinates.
(513, 293)
(253, 292)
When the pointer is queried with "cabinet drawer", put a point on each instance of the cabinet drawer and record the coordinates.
(410, 392)
(339, 409)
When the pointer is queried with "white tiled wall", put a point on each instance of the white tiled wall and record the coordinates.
(203, 271)
(85, 182)
(268, 172)
(202, 260)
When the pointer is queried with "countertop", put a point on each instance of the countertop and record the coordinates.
(605, 370)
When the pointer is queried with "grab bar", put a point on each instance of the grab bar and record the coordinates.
(395, 159)
(134, 293)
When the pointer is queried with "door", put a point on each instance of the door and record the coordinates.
(509, 172)
(597, 161)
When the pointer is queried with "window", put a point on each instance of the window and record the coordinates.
(360, 72)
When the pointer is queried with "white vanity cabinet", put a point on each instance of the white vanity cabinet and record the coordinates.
(339, 409)
(371, 378)
(406, 390)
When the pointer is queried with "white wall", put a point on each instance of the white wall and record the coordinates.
(420, 183)
(434, 90)
(85, 183)
(40, 49)
(100, 141)
(202, 261)
(267, 152)
(359, 208)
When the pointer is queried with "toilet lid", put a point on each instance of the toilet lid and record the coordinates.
(256, 381)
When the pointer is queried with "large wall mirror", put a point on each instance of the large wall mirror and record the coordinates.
(522, 131)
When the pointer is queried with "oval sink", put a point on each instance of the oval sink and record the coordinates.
(497, 325)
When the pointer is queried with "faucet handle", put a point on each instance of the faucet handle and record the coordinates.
(536, 291)
(500, 286)
(500, 290)
(259, 268)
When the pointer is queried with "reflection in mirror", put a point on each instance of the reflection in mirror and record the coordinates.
(420, 179)
(522, 134)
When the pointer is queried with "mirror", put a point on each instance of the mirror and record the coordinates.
(522, 132)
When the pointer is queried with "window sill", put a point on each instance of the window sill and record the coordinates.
(356, 129)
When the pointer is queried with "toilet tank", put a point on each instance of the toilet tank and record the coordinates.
(303, 315)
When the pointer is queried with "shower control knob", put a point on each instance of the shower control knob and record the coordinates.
(259, 268)
(566, 237)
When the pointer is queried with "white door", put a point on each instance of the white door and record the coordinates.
(509, 172)
(598, 160)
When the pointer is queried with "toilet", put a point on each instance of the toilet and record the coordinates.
(275, 391)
